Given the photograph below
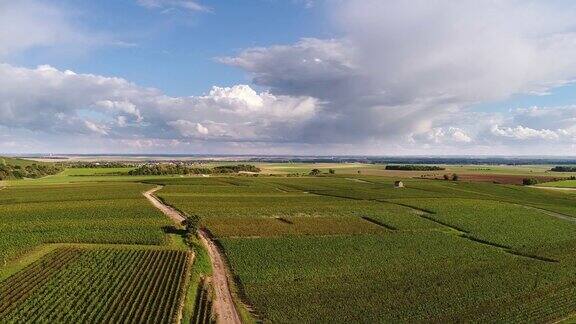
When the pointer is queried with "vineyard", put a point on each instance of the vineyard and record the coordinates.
(309, 249)
(78, 213)
(112, 260)
(203, 306)
(74, 285)
(300, 249)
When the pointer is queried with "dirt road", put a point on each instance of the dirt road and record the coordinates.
(223, 304)
(167, 210)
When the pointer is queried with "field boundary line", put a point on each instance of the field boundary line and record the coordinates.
(565, 319)
(379, 223)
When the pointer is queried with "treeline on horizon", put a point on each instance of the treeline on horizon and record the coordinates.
(33, 171)
(180, 169)
(564, 168)
(410, 167)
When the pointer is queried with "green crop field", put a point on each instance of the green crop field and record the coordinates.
(560, 184)
(86, 246)
(359, 250)
(89, 251)
(97, 285)
(401, 276)
(80, 213)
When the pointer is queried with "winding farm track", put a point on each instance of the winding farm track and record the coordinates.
(223, 304)
(172, 213)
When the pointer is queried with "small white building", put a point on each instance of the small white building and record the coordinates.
(398, 184)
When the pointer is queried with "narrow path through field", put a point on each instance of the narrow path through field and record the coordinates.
(223, 304)
(172, 213)
(357, 180)
(551, 213)
(554, 188)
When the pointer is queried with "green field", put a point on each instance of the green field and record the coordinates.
(97, 285)
(342, 248)
(79, 213)
(379, 169)
(123, 265)
(560, 184)
(311, 249)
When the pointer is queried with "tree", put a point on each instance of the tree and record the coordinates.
(529, 181)
(455, 177)
(331, 171)
(191, 223)
(315, 172)
(446, 177)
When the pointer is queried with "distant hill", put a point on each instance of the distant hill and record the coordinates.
(14, 168)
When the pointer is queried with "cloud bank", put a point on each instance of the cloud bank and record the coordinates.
(411, 69)
(46, 100)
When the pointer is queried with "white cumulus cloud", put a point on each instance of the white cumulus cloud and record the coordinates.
(47, 100)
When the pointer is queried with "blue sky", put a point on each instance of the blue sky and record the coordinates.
(560, 96)
(288, 77)
(174, 49)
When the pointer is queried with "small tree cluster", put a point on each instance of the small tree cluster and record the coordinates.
(529, 181)
(453, 177)
(315, 172)
(191, 225)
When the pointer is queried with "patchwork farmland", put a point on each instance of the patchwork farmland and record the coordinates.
(304, 250)
(86, 246)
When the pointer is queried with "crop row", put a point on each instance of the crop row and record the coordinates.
(100, 285)
(203, 305)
